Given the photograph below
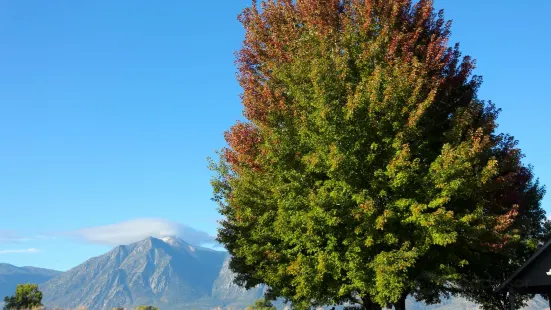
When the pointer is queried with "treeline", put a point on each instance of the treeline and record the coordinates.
(29, 297)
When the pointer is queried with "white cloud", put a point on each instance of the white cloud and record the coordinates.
(139, 229)
(7, 236)
(11, 237)
(32, 250)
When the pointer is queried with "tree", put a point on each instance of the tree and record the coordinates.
(368, 169)
(147, 308)
(262, 304)
(27, 296)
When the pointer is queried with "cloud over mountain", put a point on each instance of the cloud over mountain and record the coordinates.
(134, 230)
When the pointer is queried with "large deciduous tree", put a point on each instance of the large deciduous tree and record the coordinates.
(368, 169)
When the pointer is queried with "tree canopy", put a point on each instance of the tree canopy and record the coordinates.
(27, 296)
(368, 169)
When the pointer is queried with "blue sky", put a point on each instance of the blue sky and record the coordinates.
(109, 109)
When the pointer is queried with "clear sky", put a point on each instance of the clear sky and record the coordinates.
(109, 109)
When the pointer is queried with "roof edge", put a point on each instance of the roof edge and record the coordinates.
(503, 285)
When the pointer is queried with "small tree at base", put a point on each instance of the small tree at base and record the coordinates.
(147, 308)
(27, 296)
(262, 304)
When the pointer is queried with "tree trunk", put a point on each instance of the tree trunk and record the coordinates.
(401, 303)
(368, 304)
(511, 299)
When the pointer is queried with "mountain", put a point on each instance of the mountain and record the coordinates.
(165, 272)
(11, 275)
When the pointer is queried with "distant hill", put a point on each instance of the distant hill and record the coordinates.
(11, 275)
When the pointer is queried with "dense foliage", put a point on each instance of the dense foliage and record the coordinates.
(27, 296)
(368, 168)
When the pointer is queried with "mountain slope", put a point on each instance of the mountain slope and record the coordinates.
(165, 273)
(11, 275)
(230, 294)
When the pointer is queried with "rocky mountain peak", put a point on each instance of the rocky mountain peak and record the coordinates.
(167, 272)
